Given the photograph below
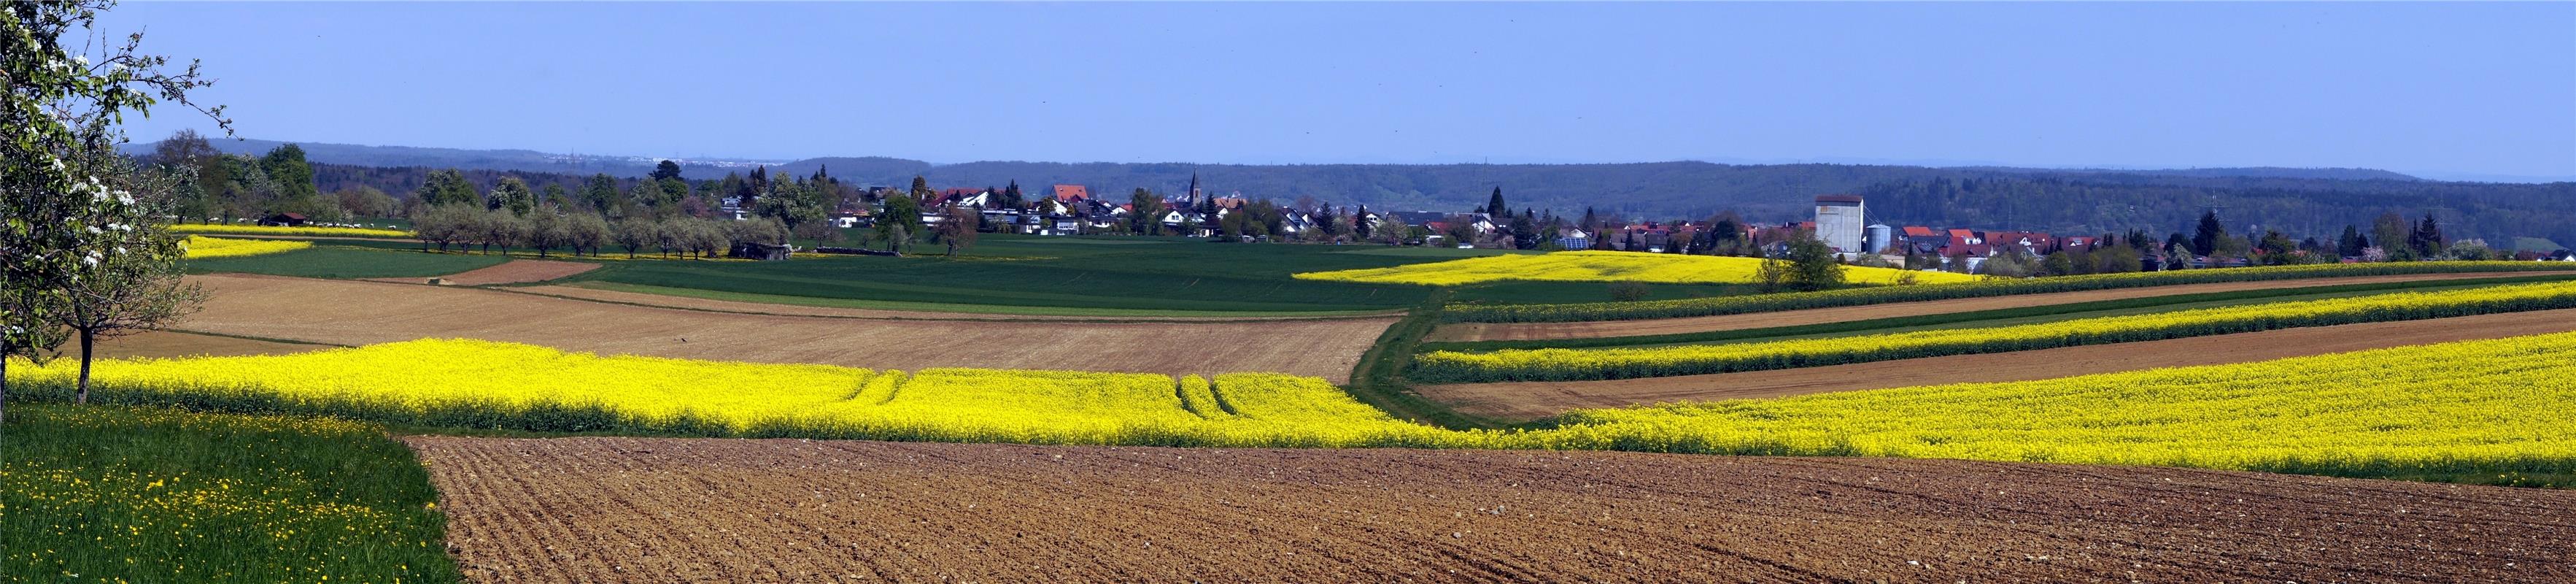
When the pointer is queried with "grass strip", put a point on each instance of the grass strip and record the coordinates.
(1653, 309)
(2064, 311)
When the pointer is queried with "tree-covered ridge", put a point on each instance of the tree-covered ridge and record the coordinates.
(2306, 208)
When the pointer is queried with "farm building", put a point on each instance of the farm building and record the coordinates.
(761, 251)
(284, 220)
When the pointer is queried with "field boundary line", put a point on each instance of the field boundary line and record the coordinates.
(1048, 319)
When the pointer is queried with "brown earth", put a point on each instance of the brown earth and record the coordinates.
(346, 312)
(1530, 400)
(509, 272)
(691, 303)
(182, 344)
(711, 510)
(1531, 331)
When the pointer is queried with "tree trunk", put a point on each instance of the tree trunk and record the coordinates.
(82, 395)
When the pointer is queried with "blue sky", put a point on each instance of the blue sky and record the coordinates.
(2458, 90)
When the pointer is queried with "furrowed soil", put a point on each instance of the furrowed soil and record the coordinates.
(666, 300)
(1533, 331)
(706, 510)
(510, 272)
(345, 312)
(166, 344)
(1531, 400)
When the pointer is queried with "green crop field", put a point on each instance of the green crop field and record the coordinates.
(326, 259)
(1109, 276)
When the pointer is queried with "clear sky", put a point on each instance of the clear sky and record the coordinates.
(2453, 89)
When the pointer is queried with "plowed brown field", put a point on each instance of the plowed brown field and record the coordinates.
(1530, 331)
(159, 344)
(346, 312)
(677, 510)
(692, 303)
(1532, 400)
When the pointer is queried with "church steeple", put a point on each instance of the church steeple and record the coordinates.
(1194, 186)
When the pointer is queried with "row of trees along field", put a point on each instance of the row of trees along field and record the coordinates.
(85, 249)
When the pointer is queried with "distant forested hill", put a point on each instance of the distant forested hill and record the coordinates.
(2301, 201)
(2304, 207)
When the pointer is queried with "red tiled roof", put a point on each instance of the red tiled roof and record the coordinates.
(1918, 231)
(1069, 193)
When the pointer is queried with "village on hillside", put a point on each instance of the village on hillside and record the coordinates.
(1841, 221)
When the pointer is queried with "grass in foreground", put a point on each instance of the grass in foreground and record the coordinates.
(1624, 363)
(118, 494)
(2480, 411)
(337, 261)
(1604, 266)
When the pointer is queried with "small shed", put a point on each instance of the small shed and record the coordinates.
(761, 251)
(284, 220)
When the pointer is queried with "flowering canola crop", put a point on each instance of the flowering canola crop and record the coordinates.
(215, 247)
(1603, 266)
(484, 384)
(284, 230)
(1580, 364)
(2498, 409)
(2496, 406)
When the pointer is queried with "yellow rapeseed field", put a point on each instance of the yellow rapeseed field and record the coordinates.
(2496, 406)
(281, 230)
(199, 246)
(2500, 407)
(1604, 266)
(1620, 363)
(503, 385)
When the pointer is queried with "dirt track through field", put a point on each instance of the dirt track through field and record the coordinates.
(509, 272)
(1532, 331)
(1530, 400)
(682, 510)
(349, 312)
(159, 344)
(647, 299)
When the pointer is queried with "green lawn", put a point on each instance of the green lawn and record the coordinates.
(2001, 317)
(121, 494)
(328, 259)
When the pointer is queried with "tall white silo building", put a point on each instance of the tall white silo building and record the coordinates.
(1838, 222)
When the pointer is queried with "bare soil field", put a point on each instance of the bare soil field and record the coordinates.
(509, 272)
(1532, 400)
(347, 312)
(706, 510)
(159, 344)
(665, 300)
(1531, 331)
